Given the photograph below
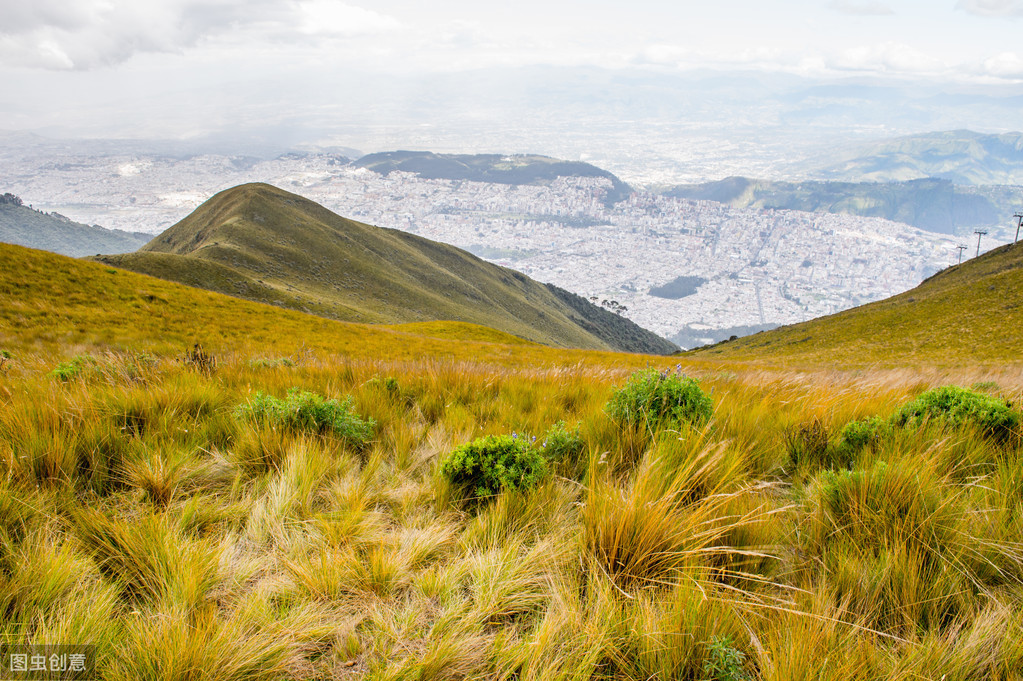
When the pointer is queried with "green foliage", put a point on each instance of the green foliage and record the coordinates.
(856, 435)
(957, 407)
(561, 444)
(660, 398)
(302, 410)
(487, 466)
(724, 661)
(75, 368)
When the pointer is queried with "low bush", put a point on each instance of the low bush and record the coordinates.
(724, 661)
(660, 398)
(956, 406)
(74, 368)
(562, 445)
(307, 411)
(856, 435)
(271, 362)
(487, 466)
(808, 443)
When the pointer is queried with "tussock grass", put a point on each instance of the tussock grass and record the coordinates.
(143, 516)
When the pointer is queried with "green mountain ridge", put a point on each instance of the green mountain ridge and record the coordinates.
(932, 204)
(496, 168)
(967, 313)
(262, 243)
(25, 226)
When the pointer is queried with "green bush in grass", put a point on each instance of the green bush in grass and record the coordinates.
(489, 465)
(307, 411)
(655, 398)
(959, 406)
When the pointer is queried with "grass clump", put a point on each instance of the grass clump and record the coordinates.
(660, 398)
(957, 407)
(73, 368)
(271, 362)
(487, 466)
(303, 410)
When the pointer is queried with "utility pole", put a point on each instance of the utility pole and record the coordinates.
(980, 233)
(961, 249)
(1019, 221)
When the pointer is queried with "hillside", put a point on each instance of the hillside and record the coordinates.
(517, 169)
(25, 226)
(961, 156)
(966, 314)
(264, 244)
(932, 204)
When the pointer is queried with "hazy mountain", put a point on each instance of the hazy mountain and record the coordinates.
(497, 168)
(265, 244)
(21, 225)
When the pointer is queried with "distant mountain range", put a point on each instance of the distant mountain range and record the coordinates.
(24, 226)
(265, 244)
(963, 157)
(968, 313)
(936, 205)
(497, 168)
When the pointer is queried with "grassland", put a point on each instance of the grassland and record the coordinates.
(966, 315)
(143, 511)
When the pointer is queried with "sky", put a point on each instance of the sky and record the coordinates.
(72, 64)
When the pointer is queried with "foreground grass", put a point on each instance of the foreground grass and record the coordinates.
(142, 512)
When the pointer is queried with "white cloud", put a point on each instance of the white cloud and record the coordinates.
(86, 34)
(862, 7)
(1005, 65)
(886, 58)
(992, 8)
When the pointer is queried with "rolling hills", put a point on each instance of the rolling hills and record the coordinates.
(268, 245)
(24, 226)
(966, 314)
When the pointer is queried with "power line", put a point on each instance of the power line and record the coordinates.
(980, 233)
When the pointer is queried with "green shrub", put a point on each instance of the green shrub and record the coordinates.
(958, 406)
(561, 444)
(856, 435)
(724, 661)
(69, 371)
(654, 398)
(490, 465)
(304, 410)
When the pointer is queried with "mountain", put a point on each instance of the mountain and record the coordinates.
(933, 204)
(24, 226)
(961, 156)
(968, 313)
(265, 244)
(517, 169)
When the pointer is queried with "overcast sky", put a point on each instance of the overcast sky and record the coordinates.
(84, 50)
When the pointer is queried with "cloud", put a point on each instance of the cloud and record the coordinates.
(1005, 65)
(886, 58)
(992, 8)
(86, 34)
(862, 7)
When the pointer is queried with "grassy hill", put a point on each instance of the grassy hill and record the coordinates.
(967, 314)
(264, 244)
(933, 204)
(24, 226)
(516, 169)
(298, 511)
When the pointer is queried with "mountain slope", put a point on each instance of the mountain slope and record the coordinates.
(517, 169)
(962, 156)
(932, 204)
(265, 244)
(967, 313)
(25, 226)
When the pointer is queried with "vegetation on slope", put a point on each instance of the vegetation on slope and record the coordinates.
(261, 243)
(932, 204)
(255, 518)
(22, 225)
(496, 168)
(964, 315)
